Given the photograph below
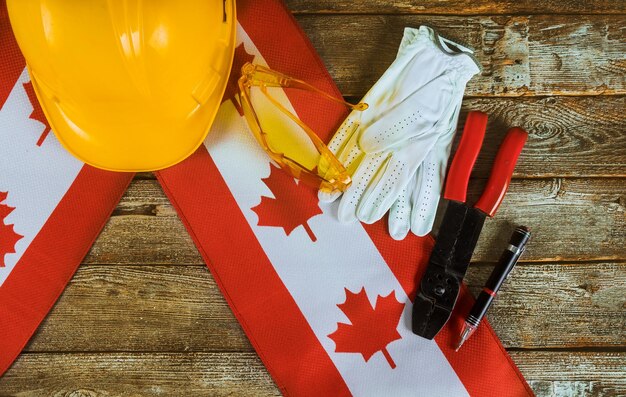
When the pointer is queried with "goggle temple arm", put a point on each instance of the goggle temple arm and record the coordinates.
(258, 75)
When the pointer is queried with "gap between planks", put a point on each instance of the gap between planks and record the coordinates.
(456, 7)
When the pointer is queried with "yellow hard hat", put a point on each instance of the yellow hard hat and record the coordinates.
(127, 85)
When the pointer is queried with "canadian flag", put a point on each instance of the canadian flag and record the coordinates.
(326, 305)
(52, 206)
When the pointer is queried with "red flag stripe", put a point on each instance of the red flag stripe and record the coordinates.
(49, 262)
(11, 62)
(247, 278)
(51, 259)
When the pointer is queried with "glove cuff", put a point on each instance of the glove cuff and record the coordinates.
(460, 57)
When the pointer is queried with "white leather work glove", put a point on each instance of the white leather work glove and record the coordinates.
(416, 206)
(412, 114)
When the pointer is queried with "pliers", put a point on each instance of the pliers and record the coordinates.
(462, 224)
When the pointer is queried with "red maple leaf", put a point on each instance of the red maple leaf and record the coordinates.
(293, 203)
(37, 113)
(371, 329)
(8, 237)
(232, 88)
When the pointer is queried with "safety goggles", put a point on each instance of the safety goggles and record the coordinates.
(304, 156)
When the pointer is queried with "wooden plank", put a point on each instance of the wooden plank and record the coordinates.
(179, 308)
(139, 239)
(569, 136)
(457, 7)
(242, 374)
(133, 374)
(572, 220)
(520, 55)
(577, 137)
(558, 305)
(574, 374)
(141, 308)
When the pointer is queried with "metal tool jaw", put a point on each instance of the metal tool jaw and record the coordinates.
(439, 286)
(449, 260)
(433, 305)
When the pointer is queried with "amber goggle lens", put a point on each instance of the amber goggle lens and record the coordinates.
(289, 142)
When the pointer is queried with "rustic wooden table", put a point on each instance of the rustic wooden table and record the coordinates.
(143, 316)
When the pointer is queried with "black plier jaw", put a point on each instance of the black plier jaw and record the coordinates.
(434, 302)
(440, 283)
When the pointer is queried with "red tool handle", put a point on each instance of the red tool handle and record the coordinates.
(502, 171)
(465, 156)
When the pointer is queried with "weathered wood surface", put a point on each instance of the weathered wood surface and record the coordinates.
(242, 374)
(457, 7)
(179, 308)
(572, 219)
(574, 374)
(520, 55)
(138, 374)
(568, 136)
(565, 305)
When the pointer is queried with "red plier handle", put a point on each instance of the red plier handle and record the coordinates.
(502, 171)
(465, 156)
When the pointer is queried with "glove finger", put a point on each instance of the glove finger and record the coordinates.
(351, 160)
(426, 195)
(384, 189)
(344, 133)
(344, 146)
(351, 155)
(327, 197)
(361, 178)
(400, 216)
(428, 189)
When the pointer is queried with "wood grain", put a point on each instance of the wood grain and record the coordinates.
(568, 136)
(573, 374)
(242, 374)
(457, 7)
(579, 137)
(141, 308)
(138, 374)
(569, 305)
(179, 308)
(520, 55)
(572, 220)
